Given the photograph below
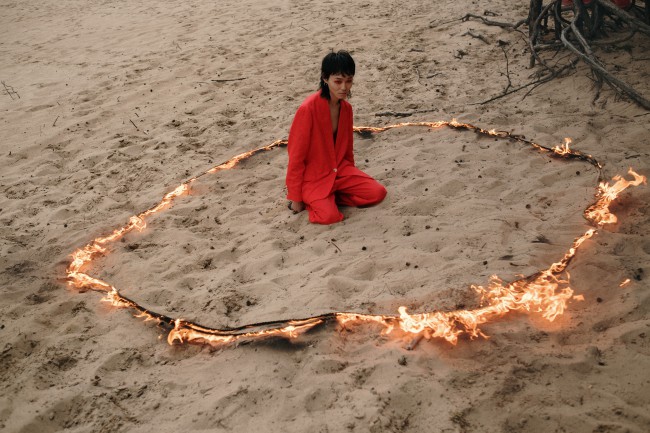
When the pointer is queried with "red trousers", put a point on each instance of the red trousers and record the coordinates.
(347, 191)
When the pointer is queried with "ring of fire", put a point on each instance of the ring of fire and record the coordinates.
(545, 291)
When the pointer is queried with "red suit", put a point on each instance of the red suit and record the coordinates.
(321, 172)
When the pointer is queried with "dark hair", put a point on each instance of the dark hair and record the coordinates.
(335, 63)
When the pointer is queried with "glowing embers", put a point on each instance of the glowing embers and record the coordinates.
(546, 292)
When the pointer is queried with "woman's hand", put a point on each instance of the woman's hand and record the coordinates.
(296, 206)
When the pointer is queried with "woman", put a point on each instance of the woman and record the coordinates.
(321, 173)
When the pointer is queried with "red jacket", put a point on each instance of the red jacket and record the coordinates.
(314, 159)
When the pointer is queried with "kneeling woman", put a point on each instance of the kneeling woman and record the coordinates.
(321, 173)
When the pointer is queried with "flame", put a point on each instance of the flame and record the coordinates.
(113, 297)
(84, 256)
(560, 266)
(599, 212)
(187, 332)
(564, 149)
(545, 292)
(355, 318)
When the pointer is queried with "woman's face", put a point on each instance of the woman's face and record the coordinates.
(339, 86)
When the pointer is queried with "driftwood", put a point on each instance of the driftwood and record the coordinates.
(587, 55)
(580, 29)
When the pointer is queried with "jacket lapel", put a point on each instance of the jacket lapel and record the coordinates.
(343, 127)
(325, 127)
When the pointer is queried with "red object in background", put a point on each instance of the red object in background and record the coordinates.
(624, 4)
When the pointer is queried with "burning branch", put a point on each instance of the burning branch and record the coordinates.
(544, 292)
(556, 151)
(599, 213)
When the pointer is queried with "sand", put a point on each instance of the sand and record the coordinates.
(116, 105)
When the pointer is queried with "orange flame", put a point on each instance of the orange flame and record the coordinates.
(599, 212)
(84, 256)
(564, 149)
(186, 332)
(543, 292)
(113, 297)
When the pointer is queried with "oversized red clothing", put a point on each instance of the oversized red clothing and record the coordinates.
(321, 171)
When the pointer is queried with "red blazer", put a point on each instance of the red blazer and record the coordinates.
(315, 160)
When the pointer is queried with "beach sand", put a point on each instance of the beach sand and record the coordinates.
(116, 104)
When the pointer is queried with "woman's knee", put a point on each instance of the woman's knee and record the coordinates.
(380, 192)
(325, 216)
(324, 211)
(376, 194)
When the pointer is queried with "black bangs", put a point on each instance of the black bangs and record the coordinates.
(340, 62)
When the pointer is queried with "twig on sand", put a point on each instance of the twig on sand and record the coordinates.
(534, 84)
(475, 35)
(505, 53)
(402, 113)
(337, 247)
(494, 23)
(57, 118)
(136, 127)
(433, 25)
(225, 80)
(9, 90)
